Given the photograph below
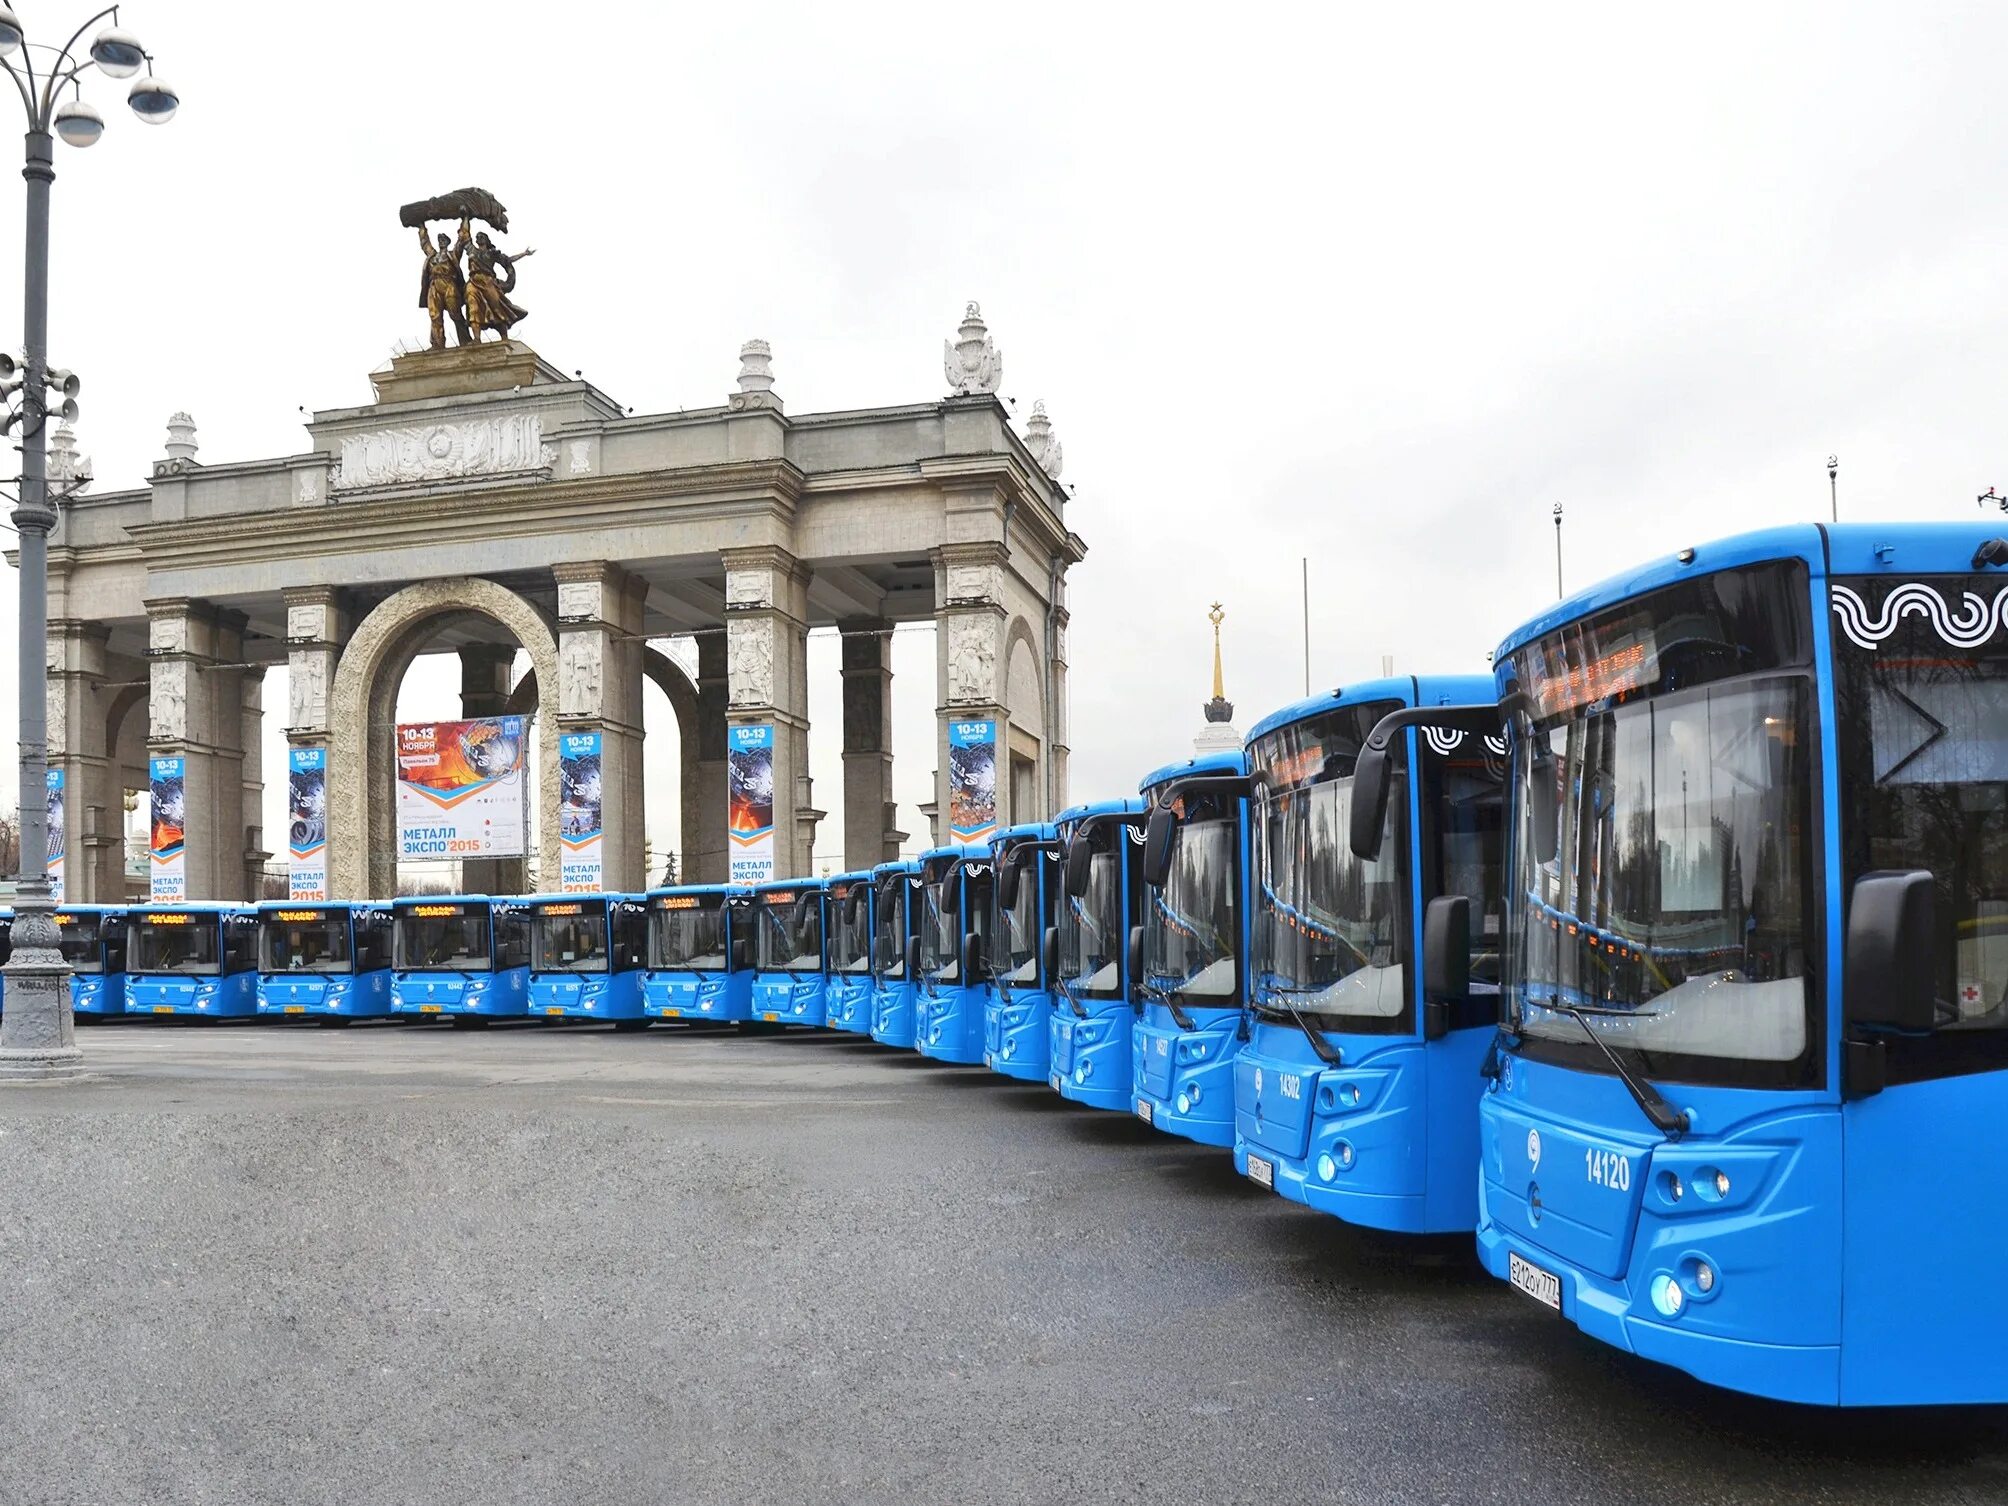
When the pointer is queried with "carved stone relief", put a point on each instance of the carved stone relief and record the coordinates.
(749, 662)
(579, 600)
(307, 623)
(307, 691)
(56, 707)
(579, 674)
(972, 657)
(168, 635)
(580, 461)
(167, 700)
(440, 452)
(307, 487)
(972, 583)
(746, 589)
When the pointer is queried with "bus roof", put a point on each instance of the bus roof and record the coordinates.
(91, 909)
(1410, 690)
(1232, 761)
(558, 899)
(317, 904)
(700, 889)
(903, 865)
(459, 899)
(1074, 814)
(1893, 549)
(1031, 831)
(793, 883)
(855, 876)
(198, 907)
(957, 850)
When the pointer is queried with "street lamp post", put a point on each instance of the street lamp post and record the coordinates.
(1558, 551)
(37, 1032)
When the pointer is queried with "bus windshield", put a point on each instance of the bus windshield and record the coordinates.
(1658, 890)
(304, 941)
(1922, 743)
(789, 933)
(1331, 928)
(1191, 938)
(80, 936)
(690, 937)
(442, 939)
(939, 932)
(187, 943)
(570, 937)
(1020, 927)
(892, 926)
(1091, 929)
(851, 929)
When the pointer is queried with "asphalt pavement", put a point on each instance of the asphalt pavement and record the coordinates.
(408, 1264)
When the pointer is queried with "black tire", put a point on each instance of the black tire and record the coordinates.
(629, 1027)
(470, 1022)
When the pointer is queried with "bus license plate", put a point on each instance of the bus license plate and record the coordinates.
(673, 1014)
(296, 1009)
(769, 1015)
(1544, 1287)
(430, 1008)
(1262, 1173)
(554, 1009)
(1143, 1110)
(163, 1009)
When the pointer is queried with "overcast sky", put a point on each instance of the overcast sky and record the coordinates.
(1375, 285)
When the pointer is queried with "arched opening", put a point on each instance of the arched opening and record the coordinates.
(1025, 700)
(480, 622)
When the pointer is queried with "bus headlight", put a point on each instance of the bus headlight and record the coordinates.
(1704, 1277)
(1667, 1296)
(1185, 1102)
(1081, 1072)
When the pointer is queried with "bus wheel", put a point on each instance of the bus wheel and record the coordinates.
(336, 1021)
(470, 1022)
(629, 1027)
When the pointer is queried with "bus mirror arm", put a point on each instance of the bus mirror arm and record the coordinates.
(1372, 776)
(1887, 976)
(1446, 962)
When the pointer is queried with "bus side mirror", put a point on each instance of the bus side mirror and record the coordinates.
(1543, 816)
(951, 889)
(912, 957)
(974, 969)
(1080, 853)
(1008, 871)
(1135, 957)
(1370, 790)
(1888, 976)
(1157, 835)
(1049, 955)
(742, 953)
(1446, 961)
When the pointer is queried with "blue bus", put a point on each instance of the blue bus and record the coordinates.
(1753, 1056)
(465, 957)
(852, 928)
(788, 955)
(1018, 1005)
(1190, 972)
(327, 959)
(93, 940)
(587, 952)
(199, 959)
(699, 954)
(954, 953)
(896, 912)
(6, 952)
(1375, 946)
(1087, 954)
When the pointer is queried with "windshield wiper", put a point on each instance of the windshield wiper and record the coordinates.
(1163, 996)
(1667, 1119)
(1068, 994)
(1329, 1054)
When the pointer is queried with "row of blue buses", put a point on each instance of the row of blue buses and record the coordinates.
(1669, 961)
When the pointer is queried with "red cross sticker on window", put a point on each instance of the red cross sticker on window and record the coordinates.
(1970, 994)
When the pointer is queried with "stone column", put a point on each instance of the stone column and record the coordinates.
(600, 690)
(195, 711)
(485, 685)
(1057, 717)
(969, 623)
(871, 817)
(703, 859)
(251, 778)
(317, 627)
(767, 652)
(92, 810)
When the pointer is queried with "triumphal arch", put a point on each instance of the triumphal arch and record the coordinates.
(487, 501)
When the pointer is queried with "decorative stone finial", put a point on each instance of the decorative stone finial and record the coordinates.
(971, 360)
(181, 437)
(66, 466)
(1218, 735)
(756, 377)
(1042, 441)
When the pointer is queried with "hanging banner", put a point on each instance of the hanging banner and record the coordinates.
(749, 819)
(463, 789)
(166, 780)
(582, 865)
(307, 823)
(972, 781)
(58, 834)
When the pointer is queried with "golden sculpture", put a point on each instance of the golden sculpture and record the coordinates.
(477, 299)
